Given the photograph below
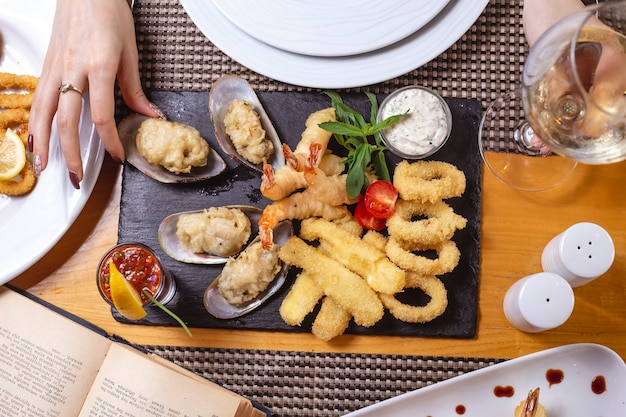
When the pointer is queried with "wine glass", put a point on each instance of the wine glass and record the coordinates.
(572, 99)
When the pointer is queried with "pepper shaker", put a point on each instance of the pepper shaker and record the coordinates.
(580, 254)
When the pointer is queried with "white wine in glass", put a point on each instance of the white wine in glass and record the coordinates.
(573, 97)
(574, 84)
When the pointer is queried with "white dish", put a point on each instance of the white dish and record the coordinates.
(475, 391)
(31, 225)
(330, 27)
(336, 72)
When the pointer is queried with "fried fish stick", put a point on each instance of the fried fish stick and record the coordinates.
(358, 256)
(347, 288)
(26, 82)
(331, 321)
(301, 299)
(16, 101)
(376, 239)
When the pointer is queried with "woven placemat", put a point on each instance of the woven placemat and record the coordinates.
(176, 56)
(306, 384)
(485, 62)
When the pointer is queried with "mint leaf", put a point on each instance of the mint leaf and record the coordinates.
(339, 128)
(351, 131)
(380, 167)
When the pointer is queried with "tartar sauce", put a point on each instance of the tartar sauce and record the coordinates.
(422, 129)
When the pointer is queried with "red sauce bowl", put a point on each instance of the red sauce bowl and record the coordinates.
(141, 267)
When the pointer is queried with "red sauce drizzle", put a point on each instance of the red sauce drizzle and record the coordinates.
(598, 385)
(501, 391)
(460, 409)
(554, 376)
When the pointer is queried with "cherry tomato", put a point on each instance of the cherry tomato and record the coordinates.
(380, 199)
(366, 220)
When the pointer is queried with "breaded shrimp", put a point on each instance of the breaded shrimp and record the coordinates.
(312, 134)
(297, 206)
(328, 189)
(278, 184)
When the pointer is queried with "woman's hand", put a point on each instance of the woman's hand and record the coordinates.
(539, 15)
(92, 43)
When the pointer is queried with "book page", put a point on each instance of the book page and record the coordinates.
(130, 383)
(246, 409)
(47, 361)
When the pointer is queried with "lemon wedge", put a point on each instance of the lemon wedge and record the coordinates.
(12, 155)
(125, 297)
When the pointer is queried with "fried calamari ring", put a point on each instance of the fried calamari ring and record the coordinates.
(402, 254)
(16, 100)
(428, 181)
(20, 185)
(432, 287)
(21, 131)
(13, 117)
(439, 224)
(26, 82)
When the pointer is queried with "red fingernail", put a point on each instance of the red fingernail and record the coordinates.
(30, 142)
(74, 180)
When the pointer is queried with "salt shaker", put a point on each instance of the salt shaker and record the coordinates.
(539, 302)
(580, 254)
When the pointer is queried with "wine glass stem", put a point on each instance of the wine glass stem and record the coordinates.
(524, 137)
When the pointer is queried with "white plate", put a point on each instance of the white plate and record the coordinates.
(330, 27)
(31, 225)
(336, 72)
(580, 364)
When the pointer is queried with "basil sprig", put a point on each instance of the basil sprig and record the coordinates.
(352, 131)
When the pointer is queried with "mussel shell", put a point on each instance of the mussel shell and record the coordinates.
(217, 306)
(173, 247)
(128, 128)
(223, 92)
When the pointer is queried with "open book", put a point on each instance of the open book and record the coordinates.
(54, 366)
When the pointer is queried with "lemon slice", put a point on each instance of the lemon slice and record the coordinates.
(125, 297)
(12, 155)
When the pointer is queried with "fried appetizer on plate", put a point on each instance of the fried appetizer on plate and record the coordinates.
(248, 275)
(220, 231)
(243, 125)
(175, 146)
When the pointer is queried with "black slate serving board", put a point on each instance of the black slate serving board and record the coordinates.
(145, 202)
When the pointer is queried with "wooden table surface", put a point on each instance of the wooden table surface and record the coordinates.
(515, 228)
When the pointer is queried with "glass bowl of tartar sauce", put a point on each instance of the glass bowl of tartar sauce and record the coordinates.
(423, 130)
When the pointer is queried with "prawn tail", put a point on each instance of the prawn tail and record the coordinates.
(267, 222)
(316, 152)
(268, 179)
(291, 159)
(267, 237)
(530, 407)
